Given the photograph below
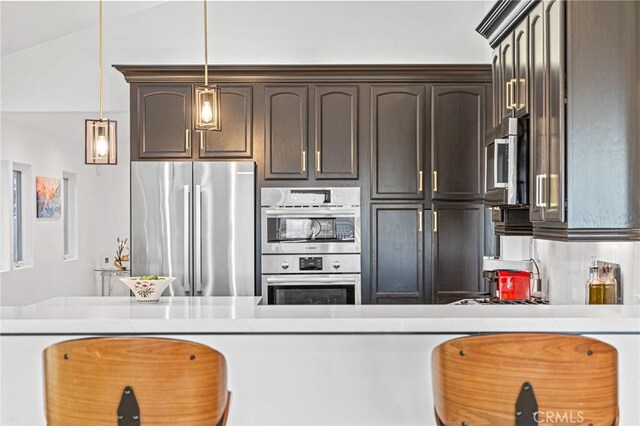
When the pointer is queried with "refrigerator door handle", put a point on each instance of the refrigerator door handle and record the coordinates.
(197, 231)
(187, 284)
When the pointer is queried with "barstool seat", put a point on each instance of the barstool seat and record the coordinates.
(135, 381)
(525, 379)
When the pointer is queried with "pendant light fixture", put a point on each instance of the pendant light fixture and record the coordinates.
(100, 134)
(207, 97)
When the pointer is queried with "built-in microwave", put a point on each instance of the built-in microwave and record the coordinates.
(506, 164)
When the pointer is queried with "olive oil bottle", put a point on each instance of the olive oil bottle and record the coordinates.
(610, 284)
(595, 287)
(602, 287)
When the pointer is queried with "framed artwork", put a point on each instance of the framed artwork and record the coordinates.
(48, 197)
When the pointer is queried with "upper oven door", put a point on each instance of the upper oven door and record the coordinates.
(310, 230)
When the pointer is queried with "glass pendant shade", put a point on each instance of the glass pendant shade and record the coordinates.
(207, 108)
(100, 142)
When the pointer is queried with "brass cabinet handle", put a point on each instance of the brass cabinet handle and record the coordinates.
(201, 141)
(541, 193)
(420, 181)
(508, 97)
(420, 220)
(435, 221)
(187, 142)
(317, 161)
(304, 161)
(435, 181)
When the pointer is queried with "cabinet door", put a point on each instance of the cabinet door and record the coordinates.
(554, 56)
(458, 247)
(286, 132)
(539, 145)
(234, 140)
(521, 54)
(336, 132)
(397, 139)
(397, 253)
(163, 124)
(457, 127)
(508, 76)
(496, 73)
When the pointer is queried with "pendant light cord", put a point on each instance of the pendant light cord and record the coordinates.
(206, 48)
(100, 29)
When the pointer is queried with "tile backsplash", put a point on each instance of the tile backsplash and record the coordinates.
(565, 265)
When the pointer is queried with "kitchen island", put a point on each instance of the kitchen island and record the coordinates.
(295, 365)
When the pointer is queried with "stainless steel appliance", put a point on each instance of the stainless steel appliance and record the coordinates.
(310, 220)
(195, 222)
(311, 246)
(507, 164)
(311, 280)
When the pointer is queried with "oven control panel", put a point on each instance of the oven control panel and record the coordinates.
(311, 263)
(297, 264)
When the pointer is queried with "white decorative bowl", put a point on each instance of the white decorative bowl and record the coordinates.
(147, 291)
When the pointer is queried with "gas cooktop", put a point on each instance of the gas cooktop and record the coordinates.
(500, 302)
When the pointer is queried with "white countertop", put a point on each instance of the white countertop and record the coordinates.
(240, 315)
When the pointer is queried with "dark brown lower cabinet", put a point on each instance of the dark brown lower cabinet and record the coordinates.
(458, 247)
(397, 253)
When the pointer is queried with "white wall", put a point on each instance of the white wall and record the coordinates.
(565, 265)
(49, 85)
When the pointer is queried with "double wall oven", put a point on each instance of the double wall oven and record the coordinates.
(310, 246)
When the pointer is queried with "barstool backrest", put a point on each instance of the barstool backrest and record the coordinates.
(546, 378)
(170, 382)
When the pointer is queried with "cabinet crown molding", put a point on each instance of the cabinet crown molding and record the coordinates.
(503, 16)
(307, 73)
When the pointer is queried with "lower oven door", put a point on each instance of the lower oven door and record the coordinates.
(321, 289)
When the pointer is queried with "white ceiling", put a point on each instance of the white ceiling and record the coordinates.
(25, 24)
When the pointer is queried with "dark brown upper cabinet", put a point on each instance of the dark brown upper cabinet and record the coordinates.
(521, 55)
(548, 113)
(554, 59)
(286, 132)
(507, 65)
(497, 87)
(234, 140)
(397, 247)
(397, 142)
(457, 126)
(458, 247)
(583, 104)
(161, 122)
(336, 132)
(539, 153)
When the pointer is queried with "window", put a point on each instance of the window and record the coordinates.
(22, 214)
(17, 217)
(69, 216)
(65, 209)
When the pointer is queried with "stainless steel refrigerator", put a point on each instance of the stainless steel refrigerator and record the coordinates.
(195, 222)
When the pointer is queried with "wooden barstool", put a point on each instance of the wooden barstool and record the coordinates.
(525, 379)
(135, 381)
